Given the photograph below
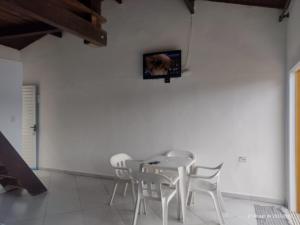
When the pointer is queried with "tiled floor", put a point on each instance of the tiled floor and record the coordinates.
(75, 200)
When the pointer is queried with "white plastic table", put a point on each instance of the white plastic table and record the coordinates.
(180, 164)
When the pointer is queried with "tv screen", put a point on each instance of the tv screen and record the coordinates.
(162, 65)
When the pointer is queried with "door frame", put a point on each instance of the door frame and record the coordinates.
(291, 158)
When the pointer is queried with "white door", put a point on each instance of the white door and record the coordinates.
(29, 127)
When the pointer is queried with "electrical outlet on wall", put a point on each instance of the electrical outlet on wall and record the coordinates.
(242, 159)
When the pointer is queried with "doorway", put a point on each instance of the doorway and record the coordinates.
(29, 126)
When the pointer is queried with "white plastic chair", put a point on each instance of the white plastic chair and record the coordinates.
(208, 184)
(122, 173)
(156, 187)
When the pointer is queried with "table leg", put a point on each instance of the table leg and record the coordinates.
(182, 190)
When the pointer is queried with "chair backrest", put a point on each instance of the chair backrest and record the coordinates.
(220, 166)
(180, 153)
(119, 161)
(215, 178)
(219, 169)
(150, 184)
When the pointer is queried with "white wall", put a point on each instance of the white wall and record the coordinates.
(94, 102)
(9, 53)
(11, 79)
(293, 35)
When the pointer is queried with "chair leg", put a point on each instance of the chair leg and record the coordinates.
(165, 212)
(193, 198)
(189, 195)
(220, 197)
(113, 194)
(133, 192)
(218, 208)
(189, 198)
(125, 190)
(178, 202)
(137, 209)
(144, 207)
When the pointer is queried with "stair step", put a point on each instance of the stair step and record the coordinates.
(9, 181)
(3, 177)
(10, 188)
(3, 170)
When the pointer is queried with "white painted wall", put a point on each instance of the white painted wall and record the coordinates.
(11, 79)
(9, 53)
(293, 35)
(94, 102)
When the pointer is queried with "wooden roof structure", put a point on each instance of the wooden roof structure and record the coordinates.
(24, 21)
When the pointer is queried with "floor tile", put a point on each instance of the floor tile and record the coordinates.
(60, 181)
(73, 218)
(17, 205)
(92, 193)
(44, 176)
(77, 200)
(104, 215)
(63, 201)
(26, 222)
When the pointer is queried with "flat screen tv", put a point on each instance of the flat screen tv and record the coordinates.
(163, 65)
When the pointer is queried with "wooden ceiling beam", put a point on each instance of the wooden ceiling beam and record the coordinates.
(26, 31)
(22, 42)
(278, 4)
(260, 3)
(285, 12)
(48, 12)
(190, 5)
(95, 5)
(58, 34)
(76, 5)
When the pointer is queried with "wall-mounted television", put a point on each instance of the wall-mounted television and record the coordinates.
(162, 65)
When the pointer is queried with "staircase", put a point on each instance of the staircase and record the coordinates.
(15, 173)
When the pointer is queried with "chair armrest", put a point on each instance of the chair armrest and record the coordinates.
(194, 176)
(209, 168)
(196, 168)
(205, 167)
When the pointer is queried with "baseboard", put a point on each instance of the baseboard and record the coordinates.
(253, 198)
(77, 173)
(225, 194)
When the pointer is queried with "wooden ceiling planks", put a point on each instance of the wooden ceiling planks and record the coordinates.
(277, 4)
(54, 16)
(20, 43)
(80, 17)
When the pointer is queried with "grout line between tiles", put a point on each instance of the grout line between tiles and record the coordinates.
(47, 201)
(79, 199)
